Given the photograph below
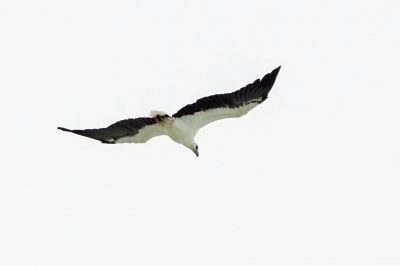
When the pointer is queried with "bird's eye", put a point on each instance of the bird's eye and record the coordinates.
(197, 147)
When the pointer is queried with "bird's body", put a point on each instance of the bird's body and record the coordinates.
(183, 126)
(179, 131)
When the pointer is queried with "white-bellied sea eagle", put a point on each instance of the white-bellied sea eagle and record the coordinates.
(183, 126)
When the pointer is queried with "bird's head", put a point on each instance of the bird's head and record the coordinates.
(195, 148)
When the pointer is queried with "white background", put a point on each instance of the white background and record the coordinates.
(310, 177)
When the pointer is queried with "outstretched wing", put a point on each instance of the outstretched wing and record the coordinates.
(229, 105)
(137, 130)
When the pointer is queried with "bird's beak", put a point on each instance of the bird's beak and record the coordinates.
(196, 152)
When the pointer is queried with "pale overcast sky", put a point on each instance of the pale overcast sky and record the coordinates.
(310, 177)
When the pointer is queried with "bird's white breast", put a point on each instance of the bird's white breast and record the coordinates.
(181, 132)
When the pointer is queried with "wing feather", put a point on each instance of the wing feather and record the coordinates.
(229, 105)
(134, 130)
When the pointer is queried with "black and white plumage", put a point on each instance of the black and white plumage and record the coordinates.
(183, 126)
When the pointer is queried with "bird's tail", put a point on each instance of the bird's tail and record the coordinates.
(154, 113)
(160, 116)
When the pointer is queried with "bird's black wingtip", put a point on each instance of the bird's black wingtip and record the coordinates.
(272, 76)
(276, 70)
(269, 79)
(64, 129)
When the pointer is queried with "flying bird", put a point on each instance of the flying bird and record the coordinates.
(183, 126)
